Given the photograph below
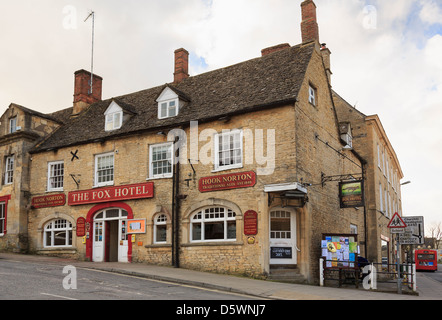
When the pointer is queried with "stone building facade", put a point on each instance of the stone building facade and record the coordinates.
(20, 128)
(229, 171)
(383, 176)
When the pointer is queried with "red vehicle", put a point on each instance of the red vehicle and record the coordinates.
(426, 260)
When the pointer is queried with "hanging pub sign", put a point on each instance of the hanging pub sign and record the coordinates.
(53, 200)
(351, 194)
(227, 181)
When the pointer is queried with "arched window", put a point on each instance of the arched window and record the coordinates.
(160, 229)
(58, 233)
(213, 224)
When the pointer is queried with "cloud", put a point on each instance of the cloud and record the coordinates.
(431, 12)
(385, 57)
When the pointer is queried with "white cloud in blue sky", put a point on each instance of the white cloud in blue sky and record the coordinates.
(392, 69)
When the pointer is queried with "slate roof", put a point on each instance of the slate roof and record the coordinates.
(36, 113)
(259, 83)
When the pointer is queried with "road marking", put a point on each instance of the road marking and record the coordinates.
(177, 284)
(54, 295)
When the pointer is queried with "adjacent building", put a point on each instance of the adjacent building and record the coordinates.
(234, 171)
(383, 176)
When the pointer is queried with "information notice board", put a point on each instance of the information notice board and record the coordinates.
(340, 250)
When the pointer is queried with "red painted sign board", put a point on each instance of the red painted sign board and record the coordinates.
(100, 195)
(227, 181)
(250, 223)
(53, 200)
(81, 227)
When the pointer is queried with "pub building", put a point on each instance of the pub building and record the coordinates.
(223, 171)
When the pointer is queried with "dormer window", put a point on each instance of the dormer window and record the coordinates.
(114, 117)
(168, 104)
(346, 134)
(168, 109)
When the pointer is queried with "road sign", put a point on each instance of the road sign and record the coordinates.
(396, 222)
(414, 232)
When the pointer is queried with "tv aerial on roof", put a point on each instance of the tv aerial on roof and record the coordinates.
(92, 14)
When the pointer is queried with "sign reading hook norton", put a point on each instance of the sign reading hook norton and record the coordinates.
(228, 181)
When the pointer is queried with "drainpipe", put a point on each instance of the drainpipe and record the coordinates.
(365, 209)
(176, 210)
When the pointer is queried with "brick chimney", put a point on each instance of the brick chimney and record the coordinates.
(181, 65)
(309, 24)
(276, 48)
(83, 97)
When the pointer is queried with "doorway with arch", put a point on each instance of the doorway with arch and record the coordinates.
(108, 240)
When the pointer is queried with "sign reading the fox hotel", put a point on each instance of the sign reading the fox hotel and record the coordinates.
(228, 181)
(128, 192)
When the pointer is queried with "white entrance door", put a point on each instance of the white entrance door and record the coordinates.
(283, 249)
(123, 246)
(107, 239)
(98, 243)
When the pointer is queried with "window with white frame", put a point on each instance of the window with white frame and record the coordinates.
(114, 121)
(168, 104)
(13, 125)
(113, 117)
(353, 229)
(160, 229)
(229, 150)
(213, 224)
(2, 218)
(312, 96)
(104, 169)
(379, 156)
(58, 233)
(160, 160)
(9, 170)
(390, 208)
(56, 176)
(380, 198)
(168, 109)
(388, 171)
(383, 162)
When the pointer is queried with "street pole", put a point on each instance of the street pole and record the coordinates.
(398, 263)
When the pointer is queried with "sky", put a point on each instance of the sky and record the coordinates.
(386, 60)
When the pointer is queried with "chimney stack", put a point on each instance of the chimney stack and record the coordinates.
(309, 25)
(181, 65)
(276, 48)
(83, 97)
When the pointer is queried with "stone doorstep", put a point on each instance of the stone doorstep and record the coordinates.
(287, 273)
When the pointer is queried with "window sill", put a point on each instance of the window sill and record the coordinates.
(104, 185)
(227, 168)
(57, 249)
(159, 178)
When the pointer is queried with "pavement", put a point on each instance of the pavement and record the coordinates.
(257, 288)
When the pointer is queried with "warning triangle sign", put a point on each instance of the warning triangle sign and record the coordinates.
(397, 222)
